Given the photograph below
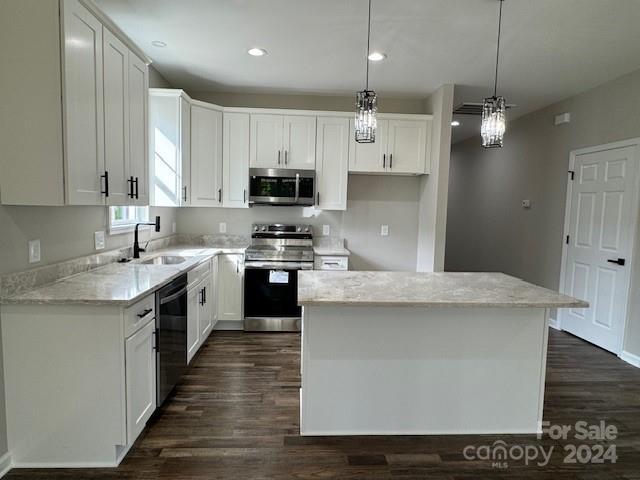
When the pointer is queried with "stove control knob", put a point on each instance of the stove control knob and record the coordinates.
(255, 228)
(263, 228)
(299, 229)
(306, 229)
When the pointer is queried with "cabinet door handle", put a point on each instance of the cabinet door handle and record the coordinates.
(384, 160)
(105, 192)
(278, 157)
(318, 198)
(184, 194)
(201, 293)
(219, 195)
(237, 267)
(145, 312)
(204, 295)
(130, 183)
(285, 157)
(244, 196)
(137, 196)
(391, 160)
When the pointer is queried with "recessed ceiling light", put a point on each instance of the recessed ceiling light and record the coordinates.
(158, 43)
(455, 123)
(257, 52)
(377, 56)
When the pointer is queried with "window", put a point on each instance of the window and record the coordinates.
(123, 219)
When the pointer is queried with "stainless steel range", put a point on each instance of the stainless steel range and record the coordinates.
(272, 262)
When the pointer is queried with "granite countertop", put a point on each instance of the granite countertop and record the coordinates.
(331, 251)
(441, 289)
(118, 283)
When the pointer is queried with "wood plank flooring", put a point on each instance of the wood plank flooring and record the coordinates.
(235, 416)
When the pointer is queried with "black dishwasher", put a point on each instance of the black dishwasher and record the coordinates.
(171, 336)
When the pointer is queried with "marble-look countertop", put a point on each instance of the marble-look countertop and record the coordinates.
(118, 283)
(331, 251)
(441, 289)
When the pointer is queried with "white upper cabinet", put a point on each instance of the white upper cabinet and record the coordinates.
(266, 141)
(401, 147)
(138, 168)
(116, 119)
(170, 140)
(206, 156)
(235, 160)
(283, 141)
(79, 139)
(299, 142)
(369, 157)
(407, 146)
(332, 162)
(86, 182)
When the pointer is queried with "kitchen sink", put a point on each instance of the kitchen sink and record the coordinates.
(164, 260)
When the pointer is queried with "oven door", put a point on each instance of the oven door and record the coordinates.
(271, 296)
(269, 186)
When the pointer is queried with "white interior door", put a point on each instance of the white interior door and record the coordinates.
(601, 228)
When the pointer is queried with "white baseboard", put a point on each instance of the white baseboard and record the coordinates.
(630, 358)
(5, 464)
(554, 323)
(229, 325)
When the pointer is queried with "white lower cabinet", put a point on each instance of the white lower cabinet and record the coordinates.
(201, 310)
(140, 371)
(230, 285)
(193, 327)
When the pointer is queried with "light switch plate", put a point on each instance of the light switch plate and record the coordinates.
(326, 230)
(34, 251)
(222, 227)
(98, 238)
(384, 230)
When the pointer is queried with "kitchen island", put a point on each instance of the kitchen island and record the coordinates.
(403, 353)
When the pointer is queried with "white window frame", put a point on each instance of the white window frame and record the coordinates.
(132, 215)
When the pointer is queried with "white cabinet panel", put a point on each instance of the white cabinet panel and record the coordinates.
(185, 156)
(206, 309)
(407, 143)
(369, 157)
(83, 105)
(230, 276)
(140, 369)
(266, 141)
(332, 162)
(193, 320)
(116, 119)
(206, 156)
(299, 142)
(235, 160)
(138, 140)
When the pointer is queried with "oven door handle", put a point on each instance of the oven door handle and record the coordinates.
(278, 266)
(171, 298)
(297, 187)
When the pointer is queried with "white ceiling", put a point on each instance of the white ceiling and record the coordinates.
(551, 49)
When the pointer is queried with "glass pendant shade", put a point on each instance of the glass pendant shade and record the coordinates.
(366, 109)
(493, 122)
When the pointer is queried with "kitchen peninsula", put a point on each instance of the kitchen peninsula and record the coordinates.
(395, 353)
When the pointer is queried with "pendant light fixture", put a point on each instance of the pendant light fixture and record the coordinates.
(494, 108)
(366, 103)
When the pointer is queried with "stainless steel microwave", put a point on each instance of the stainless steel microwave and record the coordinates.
(281, 186)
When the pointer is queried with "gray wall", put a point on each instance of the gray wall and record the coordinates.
(64, 233)
(487, 228)
(371, 202)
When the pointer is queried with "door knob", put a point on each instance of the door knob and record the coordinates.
(619, 261)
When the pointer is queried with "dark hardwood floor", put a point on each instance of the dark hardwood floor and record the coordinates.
(235, 416)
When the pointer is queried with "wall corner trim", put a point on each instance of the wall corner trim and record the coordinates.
(5, 464)
(630, 358)
(555, 324)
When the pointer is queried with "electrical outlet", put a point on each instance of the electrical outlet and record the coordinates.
(326, 230)
(173, 227)
(34, 251)
(98, 239)
(222, 227)
(384, 230)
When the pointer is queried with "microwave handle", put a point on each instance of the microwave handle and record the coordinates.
(297, 187)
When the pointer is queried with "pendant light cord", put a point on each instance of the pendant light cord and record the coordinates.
(495, 84)
(368, 42)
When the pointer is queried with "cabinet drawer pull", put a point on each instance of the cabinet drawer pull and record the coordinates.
(145, 312)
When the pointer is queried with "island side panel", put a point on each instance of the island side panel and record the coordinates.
(64, 377)
(420, 370)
